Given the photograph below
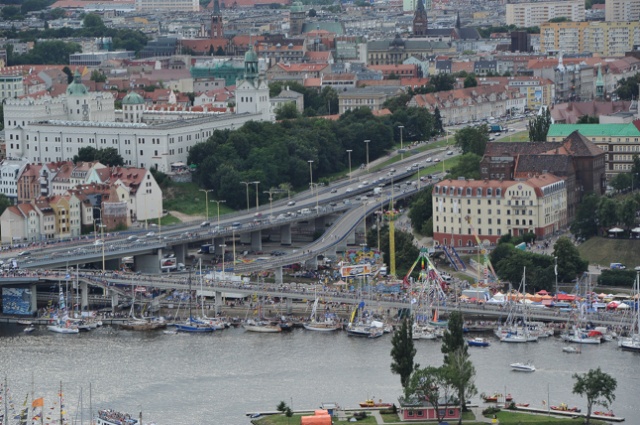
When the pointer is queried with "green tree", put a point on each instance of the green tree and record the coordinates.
(453, 337)
(403, 352)
(597, 386)
(287, 111)
(607, 213)
(472, 139)
(421, 210)
(4, 202)
(468, 166)
(93, 21)
(10, 13)
(539, 126)
(470, 81)
(442, 82)
(570, 264)
(621, 182)
(627, 209)
(627, 88)
(461, 373)
(585, 223)
(98, 76)
(108, 156)
(433, 385)
(281, 407)
(437, 117)
(406, 251)
(588, 119)
(560, 19)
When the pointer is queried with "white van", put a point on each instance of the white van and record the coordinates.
(305, 211)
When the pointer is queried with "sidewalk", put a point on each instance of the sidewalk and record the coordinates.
(477, 411)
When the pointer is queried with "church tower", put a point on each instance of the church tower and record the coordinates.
(420, 20)
(252, 91)
(217, 29)
(296, 18)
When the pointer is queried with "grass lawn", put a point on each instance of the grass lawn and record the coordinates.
(295, 420)
(605, 251)
(508, 418)
(520, 136)
(169, 219)
(187, 199)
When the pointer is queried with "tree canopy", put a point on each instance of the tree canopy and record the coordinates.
(406, 251)
(108, 156)
(468, 166)
(473, 139)
(539, 126)
(597, 386)
(403, 352)
(627, 88)
(421, 210)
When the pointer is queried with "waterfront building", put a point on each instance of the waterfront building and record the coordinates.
(492, 208)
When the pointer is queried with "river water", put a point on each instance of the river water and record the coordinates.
(215, 379)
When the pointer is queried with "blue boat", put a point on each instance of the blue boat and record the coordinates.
(192, 325)
(478, 342)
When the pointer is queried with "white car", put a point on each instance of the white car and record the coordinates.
(349, 190)
(428, 160)
(98, 242)
(151, 234)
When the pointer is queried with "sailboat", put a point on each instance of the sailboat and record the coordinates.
(141, 324)
(512, 331)
(632, 342)
(326, 325)
(258, 324)
(578, 332)
(192, 325)
(61, 323)
(357, 327)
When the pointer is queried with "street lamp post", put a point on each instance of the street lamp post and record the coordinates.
(257, 200)
(366, 143)
(247, 186)
(206, 200)
(349, 152)
(271, 192)
(401, 127)
(223, 246)
(555, 270)
(218, 202)
(101, 235)
(310, 173)
(317, 200)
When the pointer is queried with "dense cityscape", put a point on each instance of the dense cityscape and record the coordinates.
(438, 200)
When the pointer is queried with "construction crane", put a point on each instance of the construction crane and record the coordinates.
(481, 249)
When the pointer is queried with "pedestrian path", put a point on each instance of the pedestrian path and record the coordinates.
(477, 411)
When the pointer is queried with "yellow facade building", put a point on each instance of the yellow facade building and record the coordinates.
(604, 38)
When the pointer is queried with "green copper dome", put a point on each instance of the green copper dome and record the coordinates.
(296, 7)
(132, 98)
(76, 88)
(251, 55)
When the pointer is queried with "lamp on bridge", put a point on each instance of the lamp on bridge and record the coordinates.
(101, 234)
(223, 246)
(366, 143)
(218, 202)
(349, 152)
(401, 127)
(206, 200)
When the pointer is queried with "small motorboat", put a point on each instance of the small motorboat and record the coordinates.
(495, 397)
(609, 414)
(24, 322)
(522, 404)
(523, 367)
(478, 342)
(29, 329)
(564, 408)
(570, 349)
(371, 403)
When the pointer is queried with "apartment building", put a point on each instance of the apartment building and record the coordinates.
(621, 10)
(536, 13)
(604, 38)
(11, 83)
(168, 5)
(492, 208)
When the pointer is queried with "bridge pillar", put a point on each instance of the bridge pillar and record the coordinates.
(218, 304)
(148, 263)
(350, 239)
(217, 247)
(288, 304)
(319, 223)
(84, 296)
(285, 234)
(245, 238)
(256, 240)
(114, 301)
(180, 252)
(331, 250)
(113, 264)
(34, 298)
(278, 273)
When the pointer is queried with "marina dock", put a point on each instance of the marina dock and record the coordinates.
(568, 414)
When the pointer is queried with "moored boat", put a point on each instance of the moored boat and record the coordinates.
(609, 413)
(29, 329)
(251, 325)
(112, 417)
(564, 408)
(570, 349)
(374, 404)
(478, 342)
(143, 325)
(632, 342)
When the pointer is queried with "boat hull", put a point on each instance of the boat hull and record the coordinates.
(269, 329)
(320, 327)
(62, 329)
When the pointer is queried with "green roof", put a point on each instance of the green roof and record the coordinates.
(594, 130)
(76, 88)
(133, 98)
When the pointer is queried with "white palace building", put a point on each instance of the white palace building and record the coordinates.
(48, 129)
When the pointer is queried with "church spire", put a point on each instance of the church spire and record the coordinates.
(420, 20)
(217, 27)
(216, 7)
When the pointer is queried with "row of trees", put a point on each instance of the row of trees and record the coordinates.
(451, 383)
(597, 214)
(279, 153)
(510, 262)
